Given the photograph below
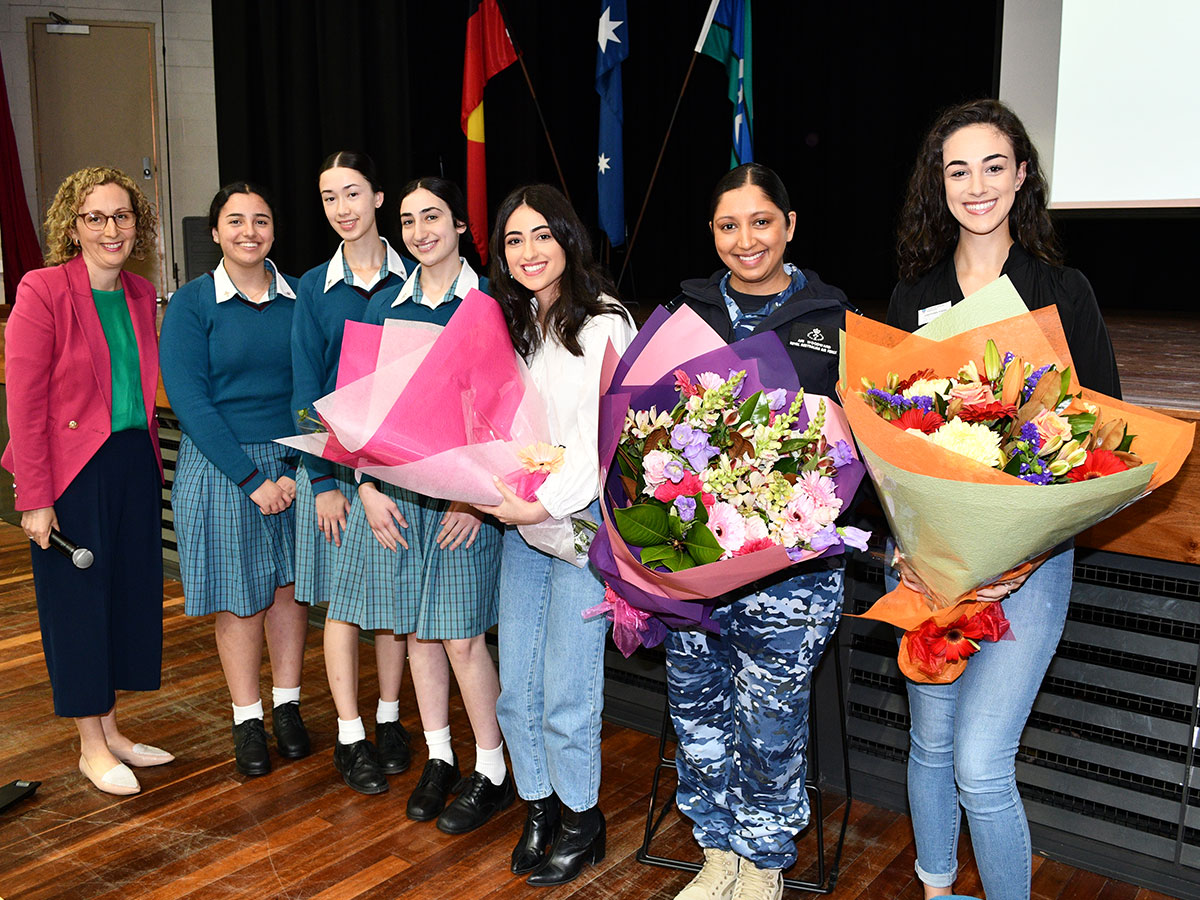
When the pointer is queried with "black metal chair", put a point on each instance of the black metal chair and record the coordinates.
(827, 871)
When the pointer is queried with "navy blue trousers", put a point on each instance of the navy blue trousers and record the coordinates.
(102, 626)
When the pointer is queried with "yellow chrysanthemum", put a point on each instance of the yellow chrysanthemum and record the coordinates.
(541, 457)
(972, 439)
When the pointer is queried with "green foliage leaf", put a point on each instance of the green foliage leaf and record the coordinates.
(676, 525)
(643, 524)
(1126, 442)
(655, 555)
(1081, 424)
(678, 561)
(791, 445)
(746, 410)
(702, 545)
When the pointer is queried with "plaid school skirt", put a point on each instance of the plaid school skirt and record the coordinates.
(317, 559)
(432, 593)
(231, 556)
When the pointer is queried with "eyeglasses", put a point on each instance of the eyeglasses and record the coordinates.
(98, 221)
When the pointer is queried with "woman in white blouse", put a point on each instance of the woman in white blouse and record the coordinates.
(561, 314)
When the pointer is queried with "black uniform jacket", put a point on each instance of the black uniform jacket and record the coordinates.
(1039, 284)
(807, 324)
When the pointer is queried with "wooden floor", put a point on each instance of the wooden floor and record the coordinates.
(201, 831)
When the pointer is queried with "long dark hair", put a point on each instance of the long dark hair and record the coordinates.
(579, 289)
(236, 187)
(450, 194)
(928, 230)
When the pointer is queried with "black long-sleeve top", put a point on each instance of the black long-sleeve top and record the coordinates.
(1039, 284)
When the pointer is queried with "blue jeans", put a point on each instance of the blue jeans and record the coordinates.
(551, 673)
(971, 759)
(739, 704)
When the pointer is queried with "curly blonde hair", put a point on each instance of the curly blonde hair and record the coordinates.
(63, 212)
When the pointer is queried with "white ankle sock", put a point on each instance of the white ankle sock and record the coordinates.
(491, 763)
(351, 730)
(439, 745)
(246, 713)
(280, 696)
(387, 711)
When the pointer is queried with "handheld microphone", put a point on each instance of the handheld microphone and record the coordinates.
(80, 557)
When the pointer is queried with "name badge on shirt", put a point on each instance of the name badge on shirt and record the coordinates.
(929, 313)
(812, 338)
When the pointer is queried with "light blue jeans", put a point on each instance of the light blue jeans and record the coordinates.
(970, 759)
(551, 673)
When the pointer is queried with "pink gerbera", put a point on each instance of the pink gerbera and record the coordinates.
(821, 493)
(727, 526)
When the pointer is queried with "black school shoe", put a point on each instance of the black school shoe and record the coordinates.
(359, 767)
(250, 748)
(438, 779)
(391, 742)
(479, 801)
(291, 737)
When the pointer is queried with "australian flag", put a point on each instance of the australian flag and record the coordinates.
(610, 175)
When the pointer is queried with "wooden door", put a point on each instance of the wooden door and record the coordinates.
(94, 104)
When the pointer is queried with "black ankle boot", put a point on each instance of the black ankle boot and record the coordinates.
(580, 841)
(541, 827)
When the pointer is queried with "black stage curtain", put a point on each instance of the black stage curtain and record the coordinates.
(842, 93)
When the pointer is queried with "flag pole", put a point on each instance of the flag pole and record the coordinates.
(657, 164)
(536, 105)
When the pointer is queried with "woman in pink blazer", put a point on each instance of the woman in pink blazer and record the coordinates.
(81, 361)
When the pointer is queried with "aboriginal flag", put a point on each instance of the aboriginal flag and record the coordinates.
(489, 50)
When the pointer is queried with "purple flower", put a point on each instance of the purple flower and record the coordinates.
(894, 400)
(674, 471)
(682, 435)
(1009, 357)
(1029, 434)
(795, 554)
(698, 457)
(1032, 380)
(842, 453)
(686, 507)
(1028, 474)
(693, 444)
(921, 402)
(825, 538)
(855, 537)
(777, 399)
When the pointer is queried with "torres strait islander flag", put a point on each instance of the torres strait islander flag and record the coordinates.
(726, 38)
(489, 50)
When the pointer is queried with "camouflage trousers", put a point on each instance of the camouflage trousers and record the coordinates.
(739, 704)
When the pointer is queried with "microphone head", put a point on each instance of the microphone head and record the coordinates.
(82, 558)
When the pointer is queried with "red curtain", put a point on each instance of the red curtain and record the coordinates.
(21, 249)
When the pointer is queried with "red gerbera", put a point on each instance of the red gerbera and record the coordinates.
(913, 379)
(934, 646)
(987, 412)
(925, 422)
(1098, 464)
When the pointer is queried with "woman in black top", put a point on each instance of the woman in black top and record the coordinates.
(976, 210)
